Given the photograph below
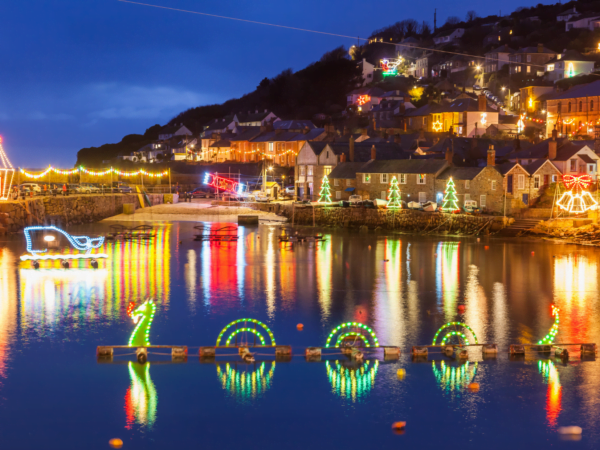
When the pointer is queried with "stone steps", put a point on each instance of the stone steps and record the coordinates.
(518, 226)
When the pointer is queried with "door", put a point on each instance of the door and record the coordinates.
(300, 192)
(546, 179)
(526, 199)
(509, 184)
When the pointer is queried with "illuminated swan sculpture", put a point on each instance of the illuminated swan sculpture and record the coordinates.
(50, 234)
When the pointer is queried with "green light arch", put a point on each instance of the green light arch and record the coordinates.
(454, 333)
(352, 383)
(363, 330)
(245, 321)
(351, 333)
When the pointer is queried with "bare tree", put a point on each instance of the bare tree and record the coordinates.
(471, 15)
(425, 29)
(410, 27)
(452, 20)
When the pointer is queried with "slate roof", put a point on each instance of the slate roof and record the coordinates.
(570, 55)
(273, 136)
(404, 166)
(252, 117)
(317, 146)
(293, 125)
(502, 49)
(506, 167)
(424, 110)
(372, 91)
(460, 173)
(568, 11)
(534, 50)
(583, 90)
(346, 170)
(248, 134)
(311, 135)
(362, 151)
(587, 159)
(565, 150)
(464, 104)
(222, 143)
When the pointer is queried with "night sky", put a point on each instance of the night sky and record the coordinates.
(79, 73)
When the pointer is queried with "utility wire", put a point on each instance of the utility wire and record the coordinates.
(325, 33)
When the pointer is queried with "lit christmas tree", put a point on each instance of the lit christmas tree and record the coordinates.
(325, 191)
(394, 195)
(450, 199)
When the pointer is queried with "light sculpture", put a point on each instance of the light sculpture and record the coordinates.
(450, 198)
(93, 173)
(363, 99)
(394, 197)
(7, 173)
(577, 200)
(142, 316)
(325, 193)
(248, 382)
(224, 184)
(359, 330)
(390, 66)
(451, 329)
(244, 329)
(549, 338)
(82, 243)
(437, 126)
(141, 399)
(352, 383)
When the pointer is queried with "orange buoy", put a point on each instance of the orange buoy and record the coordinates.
(369, 247)
(532, 253)
(461, 307)
(399, 427)
(486, 247)
(401, 373)
(474, 387)
(300, 327)
(115, 443)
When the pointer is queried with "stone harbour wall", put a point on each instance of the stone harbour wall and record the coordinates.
(403, 220)
(65, 211)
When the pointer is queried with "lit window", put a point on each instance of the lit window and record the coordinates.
(336, 182)
(573, 164)
(402, 178)
(302, 170)
(420, 179)
(528, 69)
(348, 182)
(467, 184)
(338, 194)
(366, 178)
(521, 179)
(310, 171)
(536, 182)
(482, 201)
(493, 185)
(326, 170)
(384, 177)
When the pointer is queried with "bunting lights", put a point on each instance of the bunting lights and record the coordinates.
(224, 184)
(577, 200)
(82, 169)
(7, 173)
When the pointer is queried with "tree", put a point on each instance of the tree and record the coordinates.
(471, 15)
(335, 54)
(416, 93)
(325, 191)
(394, 196)
(452, 20)
(450, 198)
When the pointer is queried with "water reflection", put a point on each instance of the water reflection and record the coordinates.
(554, 394)
(451, 378)
(448, 277)
(349, 381)
(246, 382)
(8, 306)
(141, 399)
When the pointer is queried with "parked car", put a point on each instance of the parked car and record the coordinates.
(290, 190)
(88, 188)
(121, 187)
(32, 187)
(470, 207)
(200, 193)
(355, 199)
(260, 196)
(476, 87)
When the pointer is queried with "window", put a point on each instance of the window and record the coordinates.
(336, 182)
(550, 67)
(310, 171)
(302, 170)
(554, 178)
(528, 69)
(580, 106)
(348, 182)
(467, 197)
(467, 184)
(569, 107)
(270, 146)
(493, 185)
(482, 201)
(402, 178)
(573, 165)
(591, 105)
(420, 178)
(326, 170)
(536, 182)
(422, 197)
(384, 177)
(327, 154)
(383, 195)
(591, 168)
(338, 194)
(528, 60)
(366, 178)
(521, 179)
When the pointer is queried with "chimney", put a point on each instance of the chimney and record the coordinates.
(351, 148)
(517, 144)
(540, 48)
(373, 153)
(265, 110)
(402, 108)
(482, 103)
(449, 156)
(405, 125)
(278, 131)
(554, 133)
(346, 131)
(343, 157)
(305, 130)
(474, 142)
(374, 123)
(397, 139)
(364, 132)
(491, 156)
(552, 144)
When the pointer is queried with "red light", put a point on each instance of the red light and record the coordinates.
(577, 182)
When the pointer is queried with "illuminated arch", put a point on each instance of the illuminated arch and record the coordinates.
(244, 328)
(366, 333)
(341, 338)
(454, 329)
(246, 382)
(352, 382)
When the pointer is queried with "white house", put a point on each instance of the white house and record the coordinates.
(367, 71)
(449, 36)
(168, 131)
(589, 21)
(567, 15)
(567, 65)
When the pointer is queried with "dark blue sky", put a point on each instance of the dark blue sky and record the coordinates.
(79, 73)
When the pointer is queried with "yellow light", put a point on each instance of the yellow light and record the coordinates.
(49, 238)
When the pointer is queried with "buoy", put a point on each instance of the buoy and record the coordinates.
(401, 374)
(486, 247)
(478, 240)
(461, 307)
(532, 253)
(181, 242)
(64, 263)
(385, 260)
(94, 263)
(570, 430)
(115, 443)
(300, 326)
(399, 427)
(474, 387)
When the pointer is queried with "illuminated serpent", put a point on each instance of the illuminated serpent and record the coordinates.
(549, 338)
(143, 316)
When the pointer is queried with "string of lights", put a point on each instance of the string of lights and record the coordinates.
(93, 173)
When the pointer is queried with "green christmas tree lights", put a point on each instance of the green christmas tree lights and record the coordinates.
(325, 191)
(394, 196)
(450, 198)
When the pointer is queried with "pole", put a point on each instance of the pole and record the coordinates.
(170, 192)
(111, 181)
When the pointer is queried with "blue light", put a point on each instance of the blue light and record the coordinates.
(206, 178)
(81, 243)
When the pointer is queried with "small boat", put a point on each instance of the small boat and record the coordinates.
(381, 203)
(414, 205)
(429, 206)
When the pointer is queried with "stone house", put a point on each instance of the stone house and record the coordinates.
(342, 180)
(481, 184)
(524, 184)
(575, 110)
(530, 60)
(496, 59)
(416, 178)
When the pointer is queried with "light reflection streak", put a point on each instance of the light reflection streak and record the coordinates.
(452, 379)
(554, 394)
(352, 383)
(270, 274)
(323, 266)
(389, 315)
(246, 383)
(191, 276)
(8, 306)
(500, 314)
(448, 277)
(141, 399)
(476, 315)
